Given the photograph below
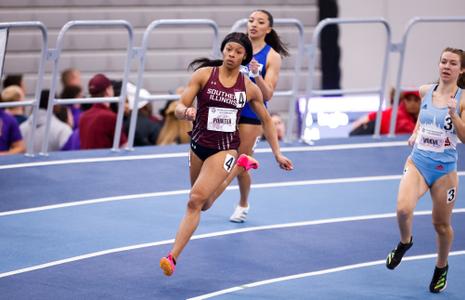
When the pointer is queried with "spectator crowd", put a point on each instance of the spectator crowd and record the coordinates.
(84, 126)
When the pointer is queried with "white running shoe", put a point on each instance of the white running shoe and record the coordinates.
(240, 214)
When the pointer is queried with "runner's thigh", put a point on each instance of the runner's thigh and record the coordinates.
(249, 134)
(412, 186)
(213, 172)
(444, 194)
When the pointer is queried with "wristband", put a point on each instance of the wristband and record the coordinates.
(254, 75)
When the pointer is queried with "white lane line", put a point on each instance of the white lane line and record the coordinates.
(184, 154)
(91, 160)
(93, 201)
(315, 273)
(81, 257)
(182, 192)
(213, 234)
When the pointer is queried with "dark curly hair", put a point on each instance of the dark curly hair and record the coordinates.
(236, 37)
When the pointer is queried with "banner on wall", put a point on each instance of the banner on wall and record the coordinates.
(3, 40)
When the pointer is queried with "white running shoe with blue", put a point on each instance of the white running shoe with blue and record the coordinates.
(240, 214)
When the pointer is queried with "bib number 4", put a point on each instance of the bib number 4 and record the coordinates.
(229, 162)
(241, 99)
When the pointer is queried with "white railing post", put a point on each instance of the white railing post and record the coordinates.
(40, 75)
(54, 55)
(141, 54)
(310, 91)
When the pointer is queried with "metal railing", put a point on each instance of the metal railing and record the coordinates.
(312, 48)
(293, 92)
(54, 55)
(34, 103)
(401, 48)
(141, 55)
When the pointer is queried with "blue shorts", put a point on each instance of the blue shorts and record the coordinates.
(432, 170)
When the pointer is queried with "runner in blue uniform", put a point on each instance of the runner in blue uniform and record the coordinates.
(432, 164)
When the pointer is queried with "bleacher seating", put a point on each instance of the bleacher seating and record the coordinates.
(171, 49)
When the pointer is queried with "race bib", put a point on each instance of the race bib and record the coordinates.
(241, 99)
(228, 162)
(222, 119)
(431, 139)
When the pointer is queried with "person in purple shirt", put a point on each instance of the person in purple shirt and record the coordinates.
(11, 141)
(73, 142)
(72, 92)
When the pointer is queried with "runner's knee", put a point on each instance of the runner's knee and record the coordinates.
(196, 201)
(404, 211)
(442, 228)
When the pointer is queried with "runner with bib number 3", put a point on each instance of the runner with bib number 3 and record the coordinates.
(432, 164)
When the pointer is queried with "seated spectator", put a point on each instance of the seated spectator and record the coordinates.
(71, 85)
(11, 141)
(64, 114)
(279, 125)
(14, 93)
(412, 102)
(71, 77)
(15, 79)
(72, 112)
(174, 131)
(147, 129)
(97, 125)
(117, 85)
(73, 142)
(407, 115)
(59, 131)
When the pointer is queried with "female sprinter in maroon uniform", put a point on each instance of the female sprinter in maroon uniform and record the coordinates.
(221, 92)
(263, 70)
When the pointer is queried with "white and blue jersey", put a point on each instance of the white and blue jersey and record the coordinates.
(434, 152)
(260, 57)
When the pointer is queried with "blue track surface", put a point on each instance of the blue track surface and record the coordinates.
(361, 181)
